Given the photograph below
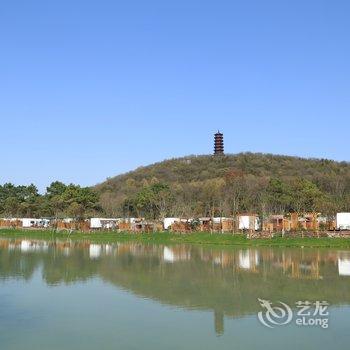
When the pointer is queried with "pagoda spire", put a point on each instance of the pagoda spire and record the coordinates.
(218, 144)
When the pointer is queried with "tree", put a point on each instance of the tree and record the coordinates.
(234, 190)
(11, 206)
(279, 196)
(306, 196)
(212, 196)
(80, 201)
(19, 200)
(56, 188)
(154, 200)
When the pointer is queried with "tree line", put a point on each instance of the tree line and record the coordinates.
(59, 200)
(236, 193)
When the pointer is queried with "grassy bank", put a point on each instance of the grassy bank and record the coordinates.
(171, 238)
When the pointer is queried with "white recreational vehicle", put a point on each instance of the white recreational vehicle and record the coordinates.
(343, 221)
(167, 222)
(248, 222)
(103, 223)
(30, 222)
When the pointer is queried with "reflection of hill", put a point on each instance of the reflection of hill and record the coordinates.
(204, 285)
(229, 282)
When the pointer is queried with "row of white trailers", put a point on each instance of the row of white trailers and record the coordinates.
(29, 222)
(246, 222)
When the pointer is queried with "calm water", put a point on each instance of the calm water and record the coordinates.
(70, 295)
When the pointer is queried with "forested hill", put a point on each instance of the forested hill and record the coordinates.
(197, 185)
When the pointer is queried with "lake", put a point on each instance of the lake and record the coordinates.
(77, 295)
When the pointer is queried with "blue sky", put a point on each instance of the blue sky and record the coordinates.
(91, 89)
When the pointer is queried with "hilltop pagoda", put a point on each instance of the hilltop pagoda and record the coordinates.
(218, 144)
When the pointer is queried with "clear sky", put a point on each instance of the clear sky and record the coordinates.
(91, 89)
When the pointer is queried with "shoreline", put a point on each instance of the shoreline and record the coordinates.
(197, 238)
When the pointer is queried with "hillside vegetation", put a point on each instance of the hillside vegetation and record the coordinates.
(59, 200)
(224, 185)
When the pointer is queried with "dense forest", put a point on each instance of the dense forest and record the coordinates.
(60, 200)
(197, 186)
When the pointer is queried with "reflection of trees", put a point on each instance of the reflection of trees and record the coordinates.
(200, 283)
(15, 264)
(58, 268)
(223, 281)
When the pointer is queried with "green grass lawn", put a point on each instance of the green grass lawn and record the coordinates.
(172, 238)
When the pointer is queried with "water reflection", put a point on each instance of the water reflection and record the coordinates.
(248, 259)
(226, 281)
(344, 267)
